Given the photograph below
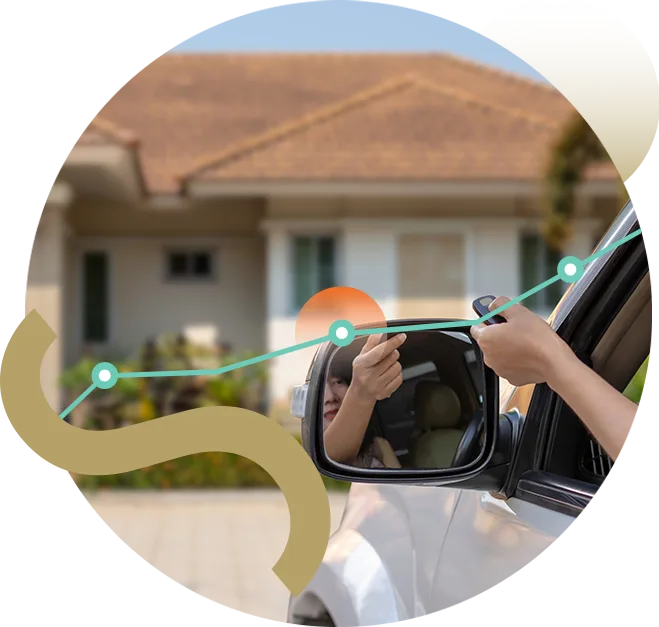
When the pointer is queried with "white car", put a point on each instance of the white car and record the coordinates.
(415, 539)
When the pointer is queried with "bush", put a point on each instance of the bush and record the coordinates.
(203, 470)
(634, 389)
(137, 400)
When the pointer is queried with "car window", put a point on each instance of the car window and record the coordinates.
(518, 398)
(642, 387)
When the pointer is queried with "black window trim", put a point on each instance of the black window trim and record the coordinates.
(527, 480)
(560, 494)
(84, 336)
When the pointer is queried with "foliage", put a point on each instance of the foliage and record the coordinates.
(137, 400)
(202, 470)
(634, 389)
(577, 149)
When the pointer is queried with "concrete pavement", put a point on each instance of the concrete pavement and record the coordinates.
(221, 544)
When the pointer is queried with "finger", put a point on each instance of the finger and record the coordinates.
(393, 385)
(509, 312)
(371, 342)
(477, 330)
(391, 373)
(379, 352)
(498, 301)
(382, 366)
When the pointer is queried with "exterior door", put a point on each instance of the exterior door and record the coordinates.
(431, 276)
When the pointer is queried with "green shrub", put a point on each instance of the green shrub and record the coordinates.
(134, 400)
(634, 389)
(202, 470)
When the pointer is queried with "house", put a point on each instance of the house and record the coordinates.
(214, 194)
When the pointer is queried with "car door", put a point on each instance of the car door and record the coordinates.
(491, 537)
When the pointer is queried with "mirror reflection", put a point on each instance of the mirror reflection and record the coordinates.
(401, 401)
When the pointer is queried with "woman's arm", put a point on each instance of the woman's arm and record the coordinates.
(525, 349)
(606, 412)
(376, 374)
(345, 434)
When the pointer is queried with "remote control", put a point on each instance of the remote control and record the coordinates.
(481, 307)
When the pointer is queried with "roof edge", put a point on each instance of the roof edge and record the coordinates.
(122, 136)
(469, 98)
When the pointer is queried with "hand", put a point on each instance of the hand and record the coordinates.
(376, 371)
(523, 350)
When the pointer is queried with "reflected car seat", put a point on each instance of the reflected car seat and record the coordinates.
(438, 411)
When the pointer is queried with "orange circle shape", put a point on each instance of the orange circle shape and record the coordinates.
(336, 303)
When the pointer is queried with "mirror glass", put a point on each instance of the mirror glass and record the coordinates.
(411, 405)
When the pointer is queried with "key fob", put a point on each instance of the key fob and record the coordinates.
(480, 306)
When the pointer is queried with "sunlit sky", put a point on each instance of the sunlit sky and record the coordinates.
(351, 26)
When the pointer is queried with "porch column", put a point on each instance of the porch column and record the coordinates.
(370, 264)
(45, 284)
(284, 371)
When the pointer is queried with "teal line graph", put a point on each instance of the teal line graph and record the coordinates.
(111, 376)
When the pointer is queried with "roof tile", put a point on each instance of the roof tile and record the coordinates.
(185, 106)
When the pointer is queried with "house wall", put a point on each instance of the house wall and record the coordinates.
(369, 236)
(143, 303)
(45, 294)
(90, 217)
(250, 306)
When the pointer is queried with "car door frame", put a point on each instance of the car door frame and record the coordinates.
(580, 319)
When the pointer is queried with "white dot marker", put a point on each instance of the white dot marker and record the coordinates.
(104, 375)
(342, 333)
(570, 269)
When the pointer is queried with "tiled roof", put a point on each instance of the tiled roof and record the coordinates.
(103, 132)
(334, 116)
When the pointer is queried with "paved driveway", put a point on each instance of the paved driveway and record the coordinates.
(221, 544)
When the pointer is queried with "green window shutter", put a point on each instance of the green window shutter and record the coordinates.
(314, 267)
(555, 291)
(529, 262)
(95, 297)
(326, 274)
(303, 271)
(539, 262)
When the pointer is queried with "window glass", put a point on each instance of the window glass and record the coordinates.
(325, 263)
(313, 267)
(634, 388)
(178, 264)
(539, 262)
(202, 264)
(95, 297)
(181, 265)
(303, 270)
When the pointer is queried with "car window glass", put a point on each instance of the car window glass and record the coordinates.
(518, 398)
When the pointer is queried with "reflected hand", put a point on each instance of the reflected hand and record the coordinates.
(524, 349)
(376, 371)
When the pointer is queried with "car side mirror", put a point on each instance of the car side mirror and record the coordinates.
(440, 426)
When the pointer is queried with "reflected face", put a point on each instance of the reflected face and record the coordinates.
(335, 391)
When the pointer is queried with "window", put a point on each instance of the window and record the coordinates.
(538, 262)
(95, 296)
(190, 265)
(314, 270)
